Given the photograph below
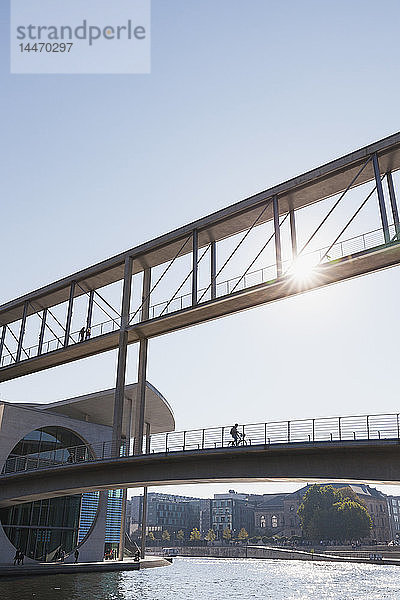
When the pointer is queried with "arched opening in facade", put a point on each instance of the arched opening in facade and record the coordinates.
(47, 530)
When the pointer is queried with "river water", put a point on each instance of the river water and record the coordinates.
(217, 579)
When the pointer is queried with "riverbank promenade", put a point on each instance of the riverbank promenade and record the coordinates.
(317, 555)
(149, 562)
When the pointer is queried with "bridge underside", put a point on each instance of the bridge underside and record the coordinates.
(357, 461)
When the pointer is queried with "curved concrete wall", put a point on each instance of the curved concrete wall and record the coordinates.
(17, 422)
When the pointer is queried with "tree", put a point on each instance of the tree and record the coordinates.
(243, 535)
(347, 492)
(180, 535)
(333, 514)
(210, 537)
(227, 534)
(165, 536)
(150, 535)
(195, 535)
(354, 519)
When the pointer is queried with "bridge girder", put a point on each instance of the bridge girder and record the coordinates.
(358, 461)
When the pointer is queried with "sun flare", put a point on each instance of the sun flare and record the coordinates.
(303, 270)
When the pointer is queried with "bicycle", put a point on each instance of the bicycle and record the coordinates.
(239, 441)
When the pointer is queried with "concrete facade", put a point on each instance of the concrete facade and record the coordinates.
(92, 427)
(16, 423)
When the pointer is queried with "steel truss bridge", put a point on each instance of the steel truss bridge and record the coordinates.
(278, 207)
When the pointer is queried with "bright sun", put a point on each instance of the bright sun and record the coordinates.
(303, 269)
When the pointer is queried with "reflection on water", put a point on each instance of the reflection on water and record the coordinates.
(217, 579)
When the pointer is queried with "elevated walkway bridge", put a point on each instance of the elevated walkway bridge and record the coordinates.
(360, 448)
(40, 330)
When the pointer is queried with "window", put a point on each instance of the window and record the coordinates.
(262, 521)
(274, 521)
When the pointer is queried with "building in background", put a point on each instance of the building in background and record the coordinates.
(232, 511)
(269, 514)
(374, 500)
(259, 514)
(393, 505)
(169, 512)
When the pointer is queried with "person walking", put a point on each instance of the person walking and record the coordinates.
(235, 435)
(16, 557)
(21, 558)
(76, 554)
(88, 332)
(81, 334)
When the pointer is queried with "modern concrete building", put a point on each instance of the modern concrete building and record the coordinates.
(169, 512)
(46, 528)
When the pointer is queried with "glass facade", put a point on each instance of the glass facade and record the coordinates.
(48, 445)
(44, 529)
(114, 511)
(89, 505)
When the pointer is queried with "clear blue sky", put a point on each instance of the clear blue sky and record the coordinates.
(242, 95)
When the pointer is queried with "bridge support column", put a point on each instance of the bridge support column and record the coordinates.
(381, 199)
(293, 233)
(122, 529)
(213, 270)
(142, 367)
(141, 395)
(195, 259)
(278, 250)
(393, 203)
(122, 352)
(89, 311)
(144, 506)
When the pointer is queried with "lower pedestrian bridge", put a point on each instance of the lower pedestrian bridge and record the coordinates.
(351, 448)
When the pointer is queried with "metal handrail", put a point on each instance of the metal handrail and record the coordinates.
(338, 250)
(312, 430)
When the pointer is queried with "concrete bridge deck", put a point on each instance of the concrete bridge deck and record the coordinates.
(350, 460)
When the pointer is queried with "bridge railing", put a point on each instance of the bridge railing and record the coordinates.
(324, 429)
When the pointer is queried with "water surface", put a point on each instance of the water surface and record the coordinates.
(217, 579)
